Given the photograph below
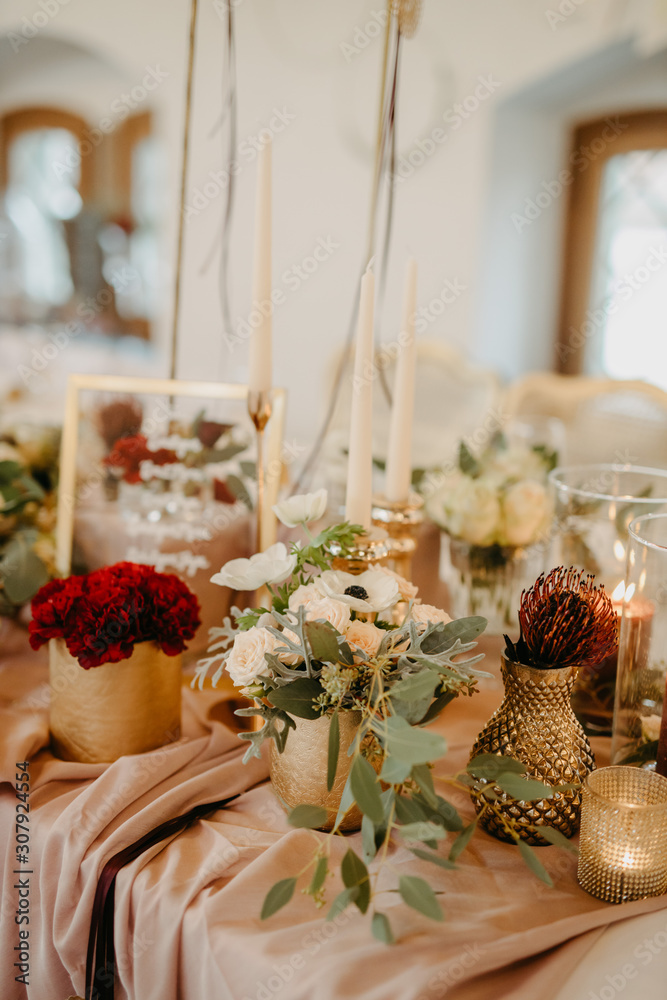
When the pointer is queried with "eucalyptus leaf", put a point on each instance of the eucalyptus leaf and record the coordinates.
(366, 790)
(368, 839)
(523, 789)
(307, 816)
(240, 490)
(556, 838)
(422, 775)
(490, 765)
(443, 637)
(533, 862)
(346, 802)
(342, 901)
(414, 746)
(437, 706)
(418, 894)
(319, 876)
(462, 840)
(424, 831)
(468, 464)
(435, 859)
(395, 771)
(333, 750)
(416, 686)
(322, 638)
(297, 697)
(278, 896)
(409, 810)
(381, 928)
(355, 873)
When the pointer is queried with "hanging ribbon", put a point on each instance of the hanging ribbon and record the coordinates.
(101, 954)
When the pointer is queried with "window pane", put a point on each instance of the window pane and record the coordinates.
(628, 307)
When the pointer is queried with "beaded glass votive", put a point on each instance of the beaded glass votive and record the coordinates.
(623, 841)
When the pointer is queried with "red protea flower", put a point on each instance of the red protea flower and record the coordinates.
(565, 620)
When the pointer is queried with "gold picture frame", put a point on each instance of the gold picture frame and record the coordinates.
(172, 389)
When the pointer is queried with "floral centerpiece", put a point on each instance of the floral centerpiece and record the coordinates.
(28, 479)
(346, 671)
(494, 507)
(126, 626)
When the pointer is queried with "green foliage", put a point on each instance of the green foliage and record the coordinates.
(381, 928)
(333, 749)
(418, 894)
(308, 816)
(278, 896)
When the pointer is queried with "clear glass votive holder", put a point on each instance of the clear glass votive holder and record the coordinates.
(640, 710)
(594, 505)
(623, 834)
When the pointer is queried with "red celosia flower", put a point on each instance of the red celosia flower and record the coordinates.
(103, 615)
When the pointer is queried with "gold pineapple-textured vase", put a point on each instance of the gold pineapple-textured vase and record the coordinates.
(535, 724)
(299, 773)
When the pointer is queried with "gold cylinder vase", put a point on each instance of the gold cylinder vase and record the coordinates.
(299, 773)
(106, 712)
(535, 724)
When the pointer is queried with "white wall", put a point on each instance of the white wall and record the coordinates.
(291, 56)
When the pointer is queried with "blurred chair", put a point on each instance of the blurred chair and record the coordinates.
(605, 420)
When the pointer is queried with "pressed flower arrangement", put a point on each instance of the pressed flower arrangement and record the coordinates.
(333, 644)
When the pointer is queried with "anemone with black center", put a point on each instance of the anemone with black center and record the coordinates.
(355, 591)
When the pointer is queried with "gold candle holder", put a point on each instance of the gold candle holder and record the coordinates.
(401, 519)
(259, 408)
(623, 842)
(369, 549)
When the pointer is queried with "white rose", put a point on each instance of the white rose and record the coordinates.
(330, 610)
(272, 566)
(305, 594)
(651, 726)
(9, 454)
(364, 636)
(480, 517)
(246, 658)
(301, 509)
(526, 510)
(428, 614)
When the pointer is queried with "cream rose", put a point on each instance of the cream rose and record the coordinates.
(331, 611)
(305, 594)
(246, 658)
(364, 636)
(425, 614)
(480, 515)
(525, 510)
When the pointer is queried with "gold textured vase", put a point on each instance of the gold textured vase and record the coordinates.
(535, 724)
(299, 773)
(103, 713)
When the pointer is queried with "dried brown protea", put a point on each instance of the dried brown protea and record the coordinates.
(565, 620)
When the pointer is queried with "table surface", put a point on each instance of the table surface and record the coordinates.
(187, 924)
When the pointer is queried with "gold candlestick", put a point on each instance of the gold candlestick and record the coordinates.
(401, 519)
(369, 549)
(259, 408)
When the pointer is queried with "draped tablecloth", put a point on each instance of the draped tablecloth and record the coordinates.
(187, 912)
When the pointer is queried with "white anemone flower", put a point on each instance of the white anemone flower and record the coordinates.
(272, 566)
(368, 592)
(302, 508)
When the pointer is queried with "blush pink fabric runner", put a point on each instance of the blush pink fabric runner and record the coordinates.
(187, 912)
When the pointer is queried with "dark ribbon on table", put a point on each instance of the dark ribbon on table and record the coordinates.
(101, 955)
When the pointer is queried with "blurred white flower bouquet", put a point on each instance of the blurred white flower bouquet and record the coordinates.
(494, 508)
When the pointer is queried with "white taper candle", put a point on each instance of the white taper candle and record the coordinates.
(360, 459)
(399, 455)
(259, 371)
